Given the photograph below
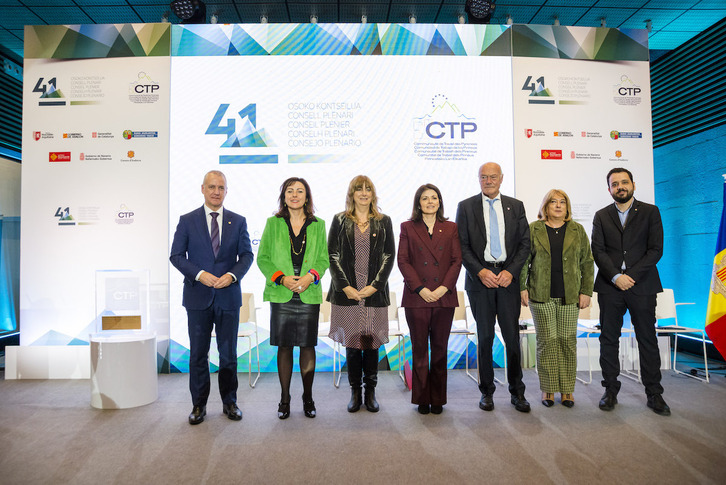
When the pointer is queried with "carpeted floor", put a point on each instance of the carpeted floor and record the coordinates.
(50, 434)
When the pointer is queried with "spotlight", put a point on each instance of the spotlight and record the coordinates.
(364, 19)
(412, 19)
(557, 21)
(213, 19)
(603, 22)
(165, 17)
(509, 20)
(190, 11)
(263, 19)
(313, 19)
(649, 25)
(479, 11)
(462, 19)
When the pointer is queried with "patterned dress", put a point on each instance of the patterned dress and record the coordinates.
(359, 326)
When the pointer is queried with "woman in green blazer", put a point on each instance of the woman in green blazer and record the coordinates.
(293, 255)
(556, 282)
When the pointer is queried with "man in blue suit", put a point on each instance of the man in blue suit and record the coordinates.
(211, 248)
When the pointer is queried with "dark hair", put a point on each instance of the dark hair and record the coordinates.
(283, 211)
(619, 170)
(417, 213)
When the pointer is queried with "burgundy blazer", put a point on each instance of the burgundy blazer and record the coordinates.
(429, 261)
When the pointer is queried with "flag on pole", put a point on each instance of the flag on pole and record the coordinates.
(716, 312)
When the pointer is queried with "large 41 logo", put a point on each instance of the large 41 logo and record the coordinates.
(536, 88)
(247, 136)
(49, 93)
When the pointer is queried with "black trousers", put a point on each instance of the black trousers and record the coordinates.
(488, 306)
(642, 313)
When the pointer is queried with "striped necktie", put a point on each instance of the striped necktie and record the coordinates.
(215, 233)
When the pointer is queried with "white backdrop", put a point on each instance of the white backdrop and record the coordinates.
(385, 104)
(585, 103)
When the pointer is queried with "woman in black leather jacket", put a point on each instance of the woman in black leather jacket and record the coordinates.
(361, 248)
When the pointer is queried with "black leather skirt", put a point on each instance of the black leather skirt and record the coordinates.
(294, 323)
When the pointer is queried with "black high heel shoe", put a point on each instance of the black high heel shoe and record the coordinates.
(283, 410)
(309, 407)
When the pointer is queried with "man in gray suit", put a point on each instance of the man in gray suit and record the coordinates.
(494, 236)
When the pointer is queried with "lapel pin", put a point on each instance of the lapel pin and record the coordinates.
(374, 234)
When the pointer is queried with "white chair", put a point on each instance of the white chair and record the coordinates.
(396, 330)
(526, 327)
(324, 331)
(665, 308)
(248, 329)
(460, 327)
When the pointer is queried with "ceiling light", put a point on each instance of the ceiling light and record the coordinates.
(557, 21)
(509, 20)
(603, 22)
(313, 19)
(263, 19)
(412, 19)
(649, 25)
(364, 19)
(462, 19)
(190, 11)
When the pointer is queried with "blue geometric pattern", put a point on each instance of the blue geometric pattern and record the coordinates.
(340, 40)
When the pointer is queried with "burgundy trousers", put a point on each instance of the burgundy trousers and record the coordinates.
(429, 379)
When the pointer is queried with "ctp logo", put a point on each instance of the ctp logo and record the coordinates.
(124, 215)
(444, 122)
(144, 90)
(626, 92)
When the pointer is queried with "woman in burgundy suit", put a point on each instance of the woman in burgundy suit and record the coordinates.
(429, 257)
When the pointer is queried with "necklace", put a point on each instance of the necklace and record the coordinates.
(556, 229)
(362, 225)
(297, 253)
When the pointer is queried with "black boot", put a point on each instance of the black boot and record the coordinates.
(354, 361)
(356, 399)
(370, 379)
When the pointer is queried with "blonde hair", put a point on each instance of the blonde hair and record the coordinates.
(542, 214)
(357, 183)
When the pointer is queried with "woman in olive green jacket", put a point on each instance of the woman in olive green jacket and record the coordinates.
(556, 282)
(293, 255)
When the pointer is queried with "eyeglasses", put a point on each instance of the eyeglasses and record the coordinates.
(493, 178)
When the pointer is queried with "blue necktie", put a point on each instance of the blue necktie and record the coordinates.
(496, 245)
(215, 233)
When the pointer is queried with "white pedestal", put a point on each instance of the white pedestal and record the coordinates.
(123, 370)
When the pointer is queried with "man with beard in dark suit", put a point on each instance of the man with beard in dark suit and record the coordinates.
(627, 242)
